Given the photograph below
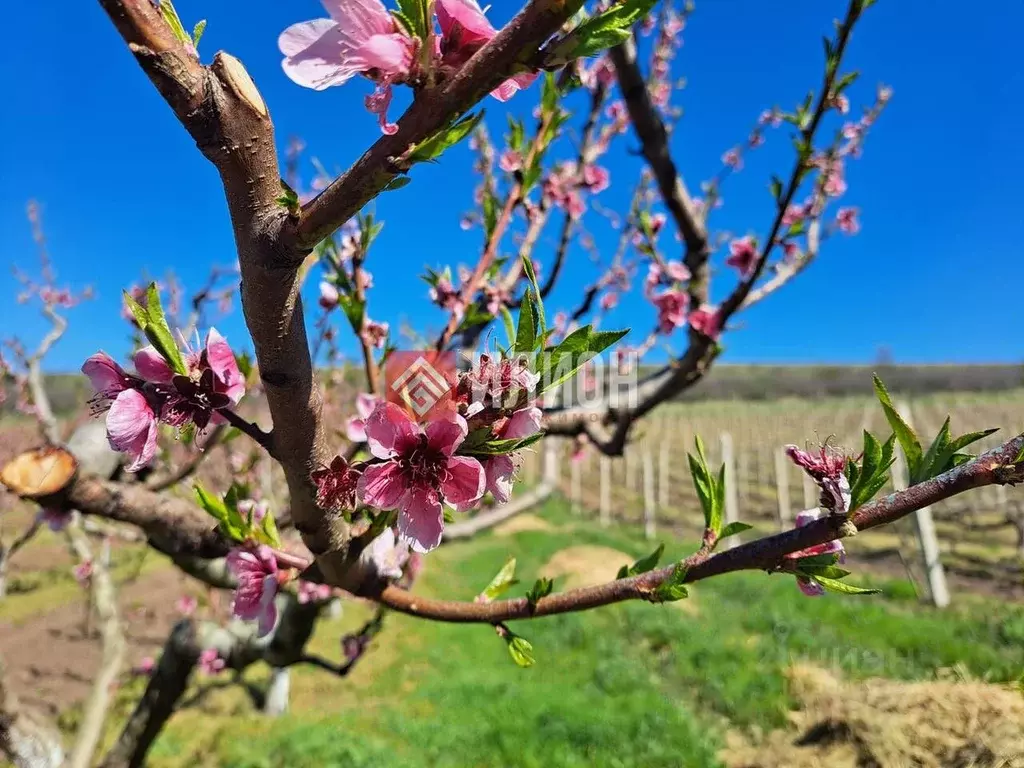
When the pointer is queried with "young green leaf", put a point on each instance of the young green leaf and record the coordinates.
(520, 649)
(643, 565)
(433, 147)
(733, 528)
(841, 587)
(541, 588)
(671, 589)
(526, 333)
(905, 434)
(151, 321)
(504, 579)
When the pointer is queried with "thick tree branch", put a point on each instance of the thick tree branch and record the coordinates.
(166, 687)
(26, 739)
(104, 600)
(995, 467)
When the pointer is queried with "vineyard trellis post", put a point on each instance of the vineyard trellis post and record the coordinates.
(650, 527)
(606, 491)
(924, 524)
(732, 512)
(782, 488)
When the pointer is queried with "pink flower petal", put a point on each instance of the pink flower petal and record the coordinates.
(510, 87)
(388, 428)
(421, 520)
(391, 54)
(365, 404)
(523, 423)
(151, 366)
(464, 483)
(381, 485)
(446, 434)
(132, 428)
(499, 471)
(105, 375)
(318, 54)
(222, 360)
(355, 430)
(463, 22)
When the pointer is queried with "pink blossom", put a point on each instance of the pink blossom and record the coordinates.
(579, 449)
(145, 666)
(600, 73)
(835, 547)
(677, 271)
(671, 304)
(794, 214)
(308, 592)
(465, 30)
(378, 103)
(328, 295)
(383, 557)
(55, 519)
(361, 37)
(884, 93)
(336, 484)
(418, 471)
(187, 605)
(706, 321)
(743, 255)
(132, 428)
(510, 161)
(609, 300)
(841, 103)
(826, 468)
(500, 470)
(770, 117)
(497, 385)
(791, 252)
(732, 159)
(846, 220)
(255, 509)
(444, 294)
(596, 178)
(210, 662)
(256, 571)
(355, 429)
(375, 334)
(83, 572)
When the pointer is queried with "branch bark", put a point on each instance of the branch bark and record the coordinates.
(104, 600)
(995, 467)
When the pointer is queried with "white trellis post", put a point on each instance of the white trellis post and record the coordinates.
(782, 488)
(649, 505)
(732, 511)
(576, 485)
(551, 468)
(606, 491)
(925, 527)
(664, 474)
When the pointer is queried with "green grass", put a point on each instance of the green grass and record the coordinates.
(633, 684)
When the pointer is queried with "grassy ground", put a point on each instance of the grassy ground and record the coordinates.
(628, 685)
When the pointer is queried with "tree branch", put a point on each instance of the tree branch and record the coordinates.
(104, 600)
(995, 467)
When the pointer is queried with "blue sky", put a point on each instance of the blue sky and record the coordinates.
(934, 276)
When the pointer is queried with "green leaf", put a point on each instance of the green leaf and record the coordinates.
(841, 587)
(267, 532)
(563, 361)
(289, 198)
(510, 328)
(397, 183)
(905, 434)
(504, 579)
(499, 446)
(776, 188)
(227, 516)
(520, 649)
(671, 589)
(532, 277)
(541, 588)
(490, 206)
(601, 31)
(415, 14)
(733, 528)
(517, 134)
(449, 518)
(197, 33)
(643, 565)
(526, 333)
(152, 322)
(172, 19)
(447, 137)
(548, 94)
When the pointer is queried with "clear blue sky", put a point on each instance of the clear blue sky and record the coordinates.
(935, 275)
